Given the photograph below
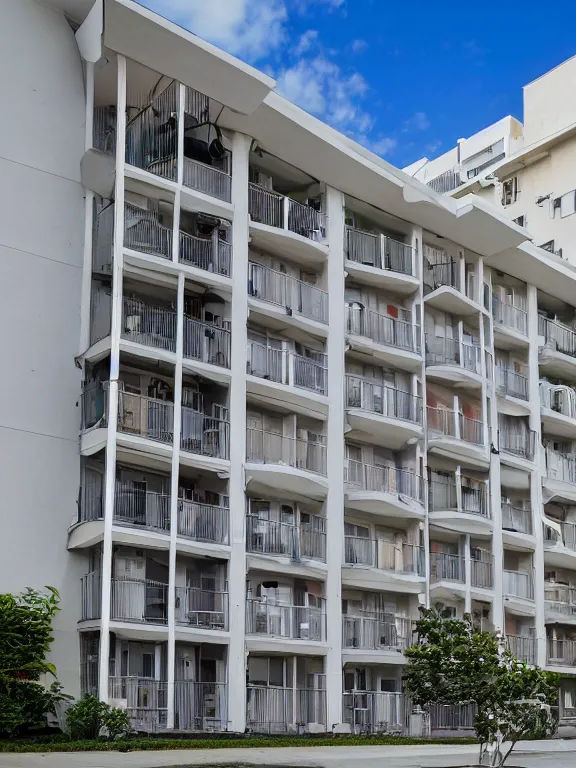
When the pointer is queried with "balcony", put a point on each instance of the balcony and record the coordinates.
(393, 341)
(558, 409)
(210, 254)
(374, 712)
(517, 441)
(142, 509)
(452, 717)
(200, 706)
(140, 601)
(482, 572)
(445, 566)
(214, 181)
(377, 631)
(524, 648)
(203, 522)
(288, 622)
(561, 652)
(560, 602)
(148, 325)
(272, 709)
(457, 505)
(560, 480)
(454, 361)
(384, 564)
(379, 260)
(204, 435)
(558, 356)
(291, 464)
(144, 232)
(144, 699)
(381, 414)
(443, 284)
(510, 324)
(511, 383)
(386, 491)
(142, 416)
(286, 227)
(295, 542)
(206, 343)
(518, 584)
(559, 543)
(456, 436)
(205, 609)
(516, 524)
(284, 297)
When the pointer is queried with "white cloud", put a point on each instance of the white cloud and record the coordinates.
(418, 122)
(248, 28)
(307, 40)
(358, 45)
(382, 146)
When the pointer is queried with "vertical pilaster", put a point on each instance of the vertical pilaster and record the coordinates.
(467, 574)
(88, 217)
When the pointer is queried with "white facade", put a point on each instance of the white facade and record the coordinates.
(311, 402)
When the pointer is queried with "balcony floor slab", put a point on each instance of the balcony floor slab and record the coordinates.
(373, 656)
(448, 299)
(287, 244)
(304, 568)
(519, 542)
(371, 350)
(365, 577)
(301, 400)
(284, 645)
(509, 338)
(383, 504)
(278, 319)
(463, 522)
(395, 282)
(554, 423)
(457, 375)
(560, 556)
(458, 450)
(285, 478)
(382, 430)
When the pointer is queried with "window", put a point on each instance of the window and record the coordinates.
(510, 191)
(520, 220)
(566, 204)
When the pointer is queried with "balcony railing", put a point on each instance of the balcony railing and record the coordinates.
(296, 622)
(206, 342)
(558, 398)
(384, 555)
(511, 383)
(378, 251)
(145, 324)
(445, 271)
(144, 699)
(140, 508)
(203, 608)
(519, 442)
(139, 600)
(281, 710)
(276, 210)
(509, 316)
(104, 129)
(282, 290)
(516, 519)
(374, 711)
(146, 417)
(444, 421)
(446, 567)
(382, 329)
(90, 503)
(263, 447)
(373, 631)
(204, 435)
(144, 232)
(103, 238)
(287, 367)
(442, 351)
(519, 584)
(562, 652)
(399, 482)
(524, 648)
(568, 537)
(200, 706)
(386, 401)
(212, 254)
(482, 572)
(446, 181)
(208, 179)
(558, 336)
(269, 537)
(203, 522)
(91, 589)
(452, 717)
(443, 496)
(560, 598)
(560, 466)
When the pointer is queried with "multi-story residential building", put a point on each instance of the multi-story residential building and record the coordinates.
(274, 393)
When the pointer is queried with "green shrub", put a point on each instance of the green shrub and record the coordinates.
(89, 716)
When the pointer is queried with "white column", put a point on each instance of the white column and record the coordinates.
(116, 327)
(237, 395)
(88, 220)
(467, 574)
(335, 457)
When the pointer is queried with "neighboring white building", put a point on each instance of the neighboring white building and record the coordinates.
(311, 393)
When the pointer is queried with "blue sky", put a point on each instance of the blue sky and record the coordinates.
(406, 79)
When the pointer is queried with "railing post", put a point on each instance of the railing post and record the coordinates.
(285, 212)
(382, 251)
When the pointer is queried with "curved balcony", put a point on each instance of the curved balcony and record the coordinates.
(456, 436)
(510, 325)
(379, 260)
(513, 386)
(393, 341)
(560, 480)
(558, 409)
(518, 590)
(559, 603)
(443, 283)
(517, 532)
(453, 361)
(383, 564)
(447, 574)
(385, 491)
(559, 543)
(373, 637)
(208, 254)
(459, 507)
(278, 627)
(557, 357)
(382, 415)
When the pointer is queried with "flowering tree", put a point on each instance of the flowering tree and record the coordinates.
(451, 663)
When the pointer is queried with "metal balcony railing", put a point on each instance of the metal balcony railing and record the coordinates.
(372, 631)
(275, 210)
(560, 598)
(384, 554)
(561, 652)
(443, 351)
(471, 430)
(139, 600)
(206, 342)
(446, 567)
(511, 383)
(446, 181)
(271, 709)
(151, 136)
(204, 435)
(103, 237)
(378, 251)
(146, 417)
(519, 584)
(558, 336)
(560, 466)
(374, 711)
(516, 519)
(90, 503)
(200, 706)
(443, 496)
(386, 401)
(451, 717)
(212, 254)
(296, 622)
(282, 290)
(519, 442)
(509, 316)
(203, 522)
(91, 590)
(269, 537)
(94, 405)
(482, 572)
(140, 508)
(568, 537)
(524, 648)
(445, 271)
(560, 398)
(400, 482)
(145, 701)
(145, 324)
(287, 367)
(382, 329)
(204, 608)
(104, 129)
(445, 422)
(266, 447)
(209, 179)
(144, 232)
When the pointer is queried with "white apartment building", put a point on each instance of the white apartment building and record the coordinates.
(270, 393)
